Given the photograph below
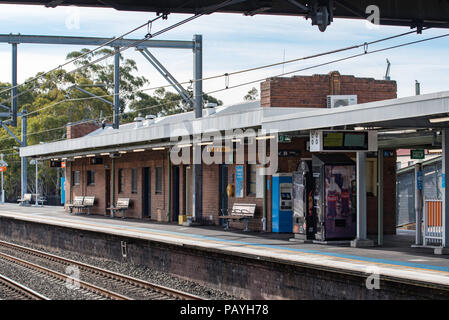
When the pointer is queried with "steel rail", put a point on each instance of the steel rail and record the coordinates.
(20, 289)
(54, 274)
(173, 293)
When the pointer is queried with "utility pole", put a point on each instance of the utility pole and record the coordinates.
(3, 191)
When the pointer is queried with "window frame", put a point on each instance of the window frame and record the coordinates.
(90, 177)
(249, 182)
(159, 183)
(134, 179)
(120, 181)
(74, 174)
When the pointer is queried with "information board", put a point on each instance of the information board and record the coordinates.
(239, 179)
(343, 140)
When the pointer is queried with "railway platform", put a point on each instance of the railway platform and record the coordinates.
(396, 260)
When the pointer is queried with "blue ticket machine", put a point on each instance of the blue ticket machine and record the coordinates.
(282, 211)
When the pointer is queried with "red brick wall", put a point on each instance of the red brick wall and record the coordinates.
(80, 130)
(126, 162)
(312, 91)
(211, 196)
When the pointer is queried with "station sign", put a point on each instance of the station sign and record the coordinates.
(417, 154)
(3, 166)
(343, 140)
(284, 138)
(55, 164)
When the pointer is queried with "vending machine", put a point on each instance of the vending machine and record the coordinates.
(334, 197)
(282, 214)
(303, 213)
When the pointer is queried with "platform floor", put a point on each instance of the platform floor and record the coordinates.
(396, 258)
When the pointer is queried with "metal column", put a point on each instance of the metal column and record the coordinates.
(198, 105)
(445, 181)
(418, 203)
(116, 123)
(14, 86)
(361, 240)
(380, 197)
(24, 167)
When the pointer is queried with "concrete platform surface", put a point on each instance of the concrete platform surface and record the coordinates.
(396, 259)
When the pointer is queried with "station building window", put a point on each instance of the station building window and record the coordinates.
(134, 180)
(251, 180)
(76, 178)
(90, 177)
(158, 188)
(121, 181)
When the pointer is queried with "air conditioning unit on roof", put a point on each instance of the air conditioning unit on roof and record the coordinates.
(335, 101)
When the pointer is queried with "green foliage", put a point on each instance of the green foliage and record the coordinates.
(52, 101)
(252, 94)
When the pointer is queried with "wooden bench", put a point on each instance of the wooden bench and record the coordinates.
(81, 203)
(121, 206)
(239, 211)
(26, 200)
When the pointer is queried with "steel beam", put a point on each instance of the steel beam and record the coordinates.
(4, 107)
(93, 95)
(11, 134)
(167, 75)
(93, 41)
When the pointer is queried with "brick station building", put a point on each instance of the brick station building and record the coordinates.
(134, 160)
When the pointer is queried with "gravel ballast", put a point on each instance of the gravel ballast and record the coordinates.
(126, 268)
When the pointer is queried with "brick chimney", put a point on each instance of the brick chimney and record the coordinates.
(312, 91)
(77, 130)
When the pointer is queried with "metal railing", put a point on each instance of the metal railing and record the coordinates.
(433, 222)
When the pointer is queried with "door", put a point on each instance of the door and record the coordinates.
(188, 190)
(107, 195)
(175, 193)
(223, 183)
(146, 192)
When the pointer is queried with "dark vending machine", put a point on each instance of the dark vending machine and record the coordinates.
(303, 213)
(334, 196)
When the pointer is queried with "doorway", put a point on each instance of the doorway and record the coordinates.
(188, 190)
(146, 192)
(107, 195)
(223, 183)
(175, 193)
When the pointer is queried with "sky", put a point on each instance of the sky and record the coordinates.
(231, 42)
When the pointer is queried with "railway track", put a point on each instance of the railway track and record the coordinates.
(125, 287)
(15, 291)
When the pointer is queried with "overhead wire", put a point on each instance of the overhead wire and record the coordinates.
(253, 81)
(137, 42)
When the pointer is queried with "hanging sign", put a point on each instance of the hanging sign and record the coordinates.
(343, 140)
(417, 154)
(3, 169)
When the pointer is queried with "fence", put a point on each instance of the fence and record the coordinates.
(433, 222)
